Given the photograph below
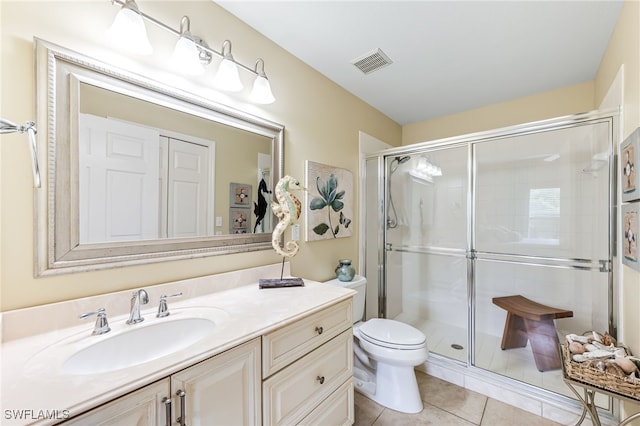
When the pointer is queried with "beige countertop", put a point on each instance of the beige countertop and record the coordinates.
(33, 383)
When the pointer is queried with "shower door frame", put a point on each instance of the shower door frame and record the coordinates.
(470, 141)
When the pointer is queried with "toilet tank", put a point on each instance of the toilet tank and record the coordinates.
(359, 284)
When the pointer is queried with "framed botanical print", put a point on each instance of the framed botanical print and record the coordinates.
(329, 201)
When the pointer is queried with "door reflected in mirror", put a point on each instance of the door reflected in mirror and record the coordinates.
(147, 172)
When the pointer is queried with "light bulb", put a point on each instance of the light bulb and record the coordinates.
(186, 56)
(227, 77)
(261, 92)
(128, 31)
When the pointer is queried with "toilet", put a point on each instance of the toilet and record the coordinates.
(385, 354)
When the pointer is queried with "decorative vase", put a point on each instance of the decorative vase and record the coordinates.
(344, 270)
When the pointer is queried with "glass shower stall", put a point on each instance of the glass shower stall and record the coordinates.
(522, 211)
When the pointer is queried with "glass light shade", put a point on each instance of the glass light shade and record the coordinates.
(227, 77)
(261, 92)
(186, 56)
(128, 32)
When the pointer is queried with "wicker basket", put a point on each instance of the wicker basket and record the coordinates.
(592, 376)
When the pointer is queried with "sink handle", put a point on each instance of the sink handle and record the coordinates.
(102, 325)
(163, 309)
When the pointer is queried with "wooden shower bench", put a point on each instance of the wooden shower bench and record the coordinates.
(528, 320)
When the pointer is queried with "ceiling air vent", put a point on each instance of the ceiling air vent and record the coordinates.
(372, 61)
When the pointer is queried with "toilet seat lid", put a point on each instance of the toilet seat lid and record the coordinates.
(392, 334)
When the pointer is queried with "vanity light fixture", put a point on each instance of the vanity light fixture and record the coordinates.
(128, 31)
(186, 55)
(227, 77)
(261, 92)
(191, 53)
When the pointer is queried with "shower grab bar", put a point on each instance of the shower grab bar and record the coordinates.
(427, 250)
(533, 258)
(601, 265)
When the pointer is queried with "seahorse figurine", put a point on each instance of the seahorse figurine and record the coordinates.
(287, 209)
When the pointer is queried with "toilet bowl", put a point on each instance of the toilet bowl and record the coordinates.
(385, 354)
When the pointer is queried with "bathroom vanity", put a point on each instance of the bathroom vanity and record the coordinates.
(266, 360)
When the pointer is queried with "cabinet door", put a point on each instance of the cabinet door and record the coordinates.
(143, 407)
(223, 390)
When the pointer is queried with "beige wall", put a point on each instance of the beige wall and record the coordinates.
(322, 123)
(556, 103)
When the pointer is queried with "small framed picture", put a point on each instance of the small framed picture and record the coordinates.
(240, 195)
(630, 216)
(239, 221)
(629, 154)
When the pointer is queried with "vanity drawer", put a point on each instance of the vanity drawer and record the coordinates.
(285, 345)
(294, 392)
(338, 409)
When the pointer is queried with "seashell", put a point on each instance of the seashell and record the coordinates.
(592, 355)
(613, 368)
(595, 363)
(576, 348)
(576, 338)
(590, 347)
(588, 335)
(602, 346)
(619, 353)
(608, 340)
(626, 365)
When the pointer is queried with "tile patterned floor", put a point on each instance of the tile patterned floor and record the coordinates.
(446, 404)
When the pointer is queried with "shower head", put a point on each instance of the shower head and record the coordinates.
(403, 159)
(399, 160)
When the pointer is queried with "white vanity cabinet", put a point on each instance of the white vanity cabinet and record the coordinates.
(143, 407)
(308, 370)
(222, 390)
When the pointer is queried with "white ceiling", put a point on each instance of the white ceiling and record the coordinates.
(448, 56)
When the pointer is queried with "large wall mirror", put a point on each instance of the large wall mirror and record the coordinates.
(139, 172)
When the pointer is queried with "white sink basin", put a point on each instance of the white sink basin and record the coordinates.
(138, 345)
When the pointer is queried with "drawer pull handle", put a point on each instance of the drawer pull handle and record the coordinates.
(319, 330)
(320, 379)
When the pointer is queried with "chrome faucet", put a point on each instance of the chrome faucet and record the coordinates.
(139, 297)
